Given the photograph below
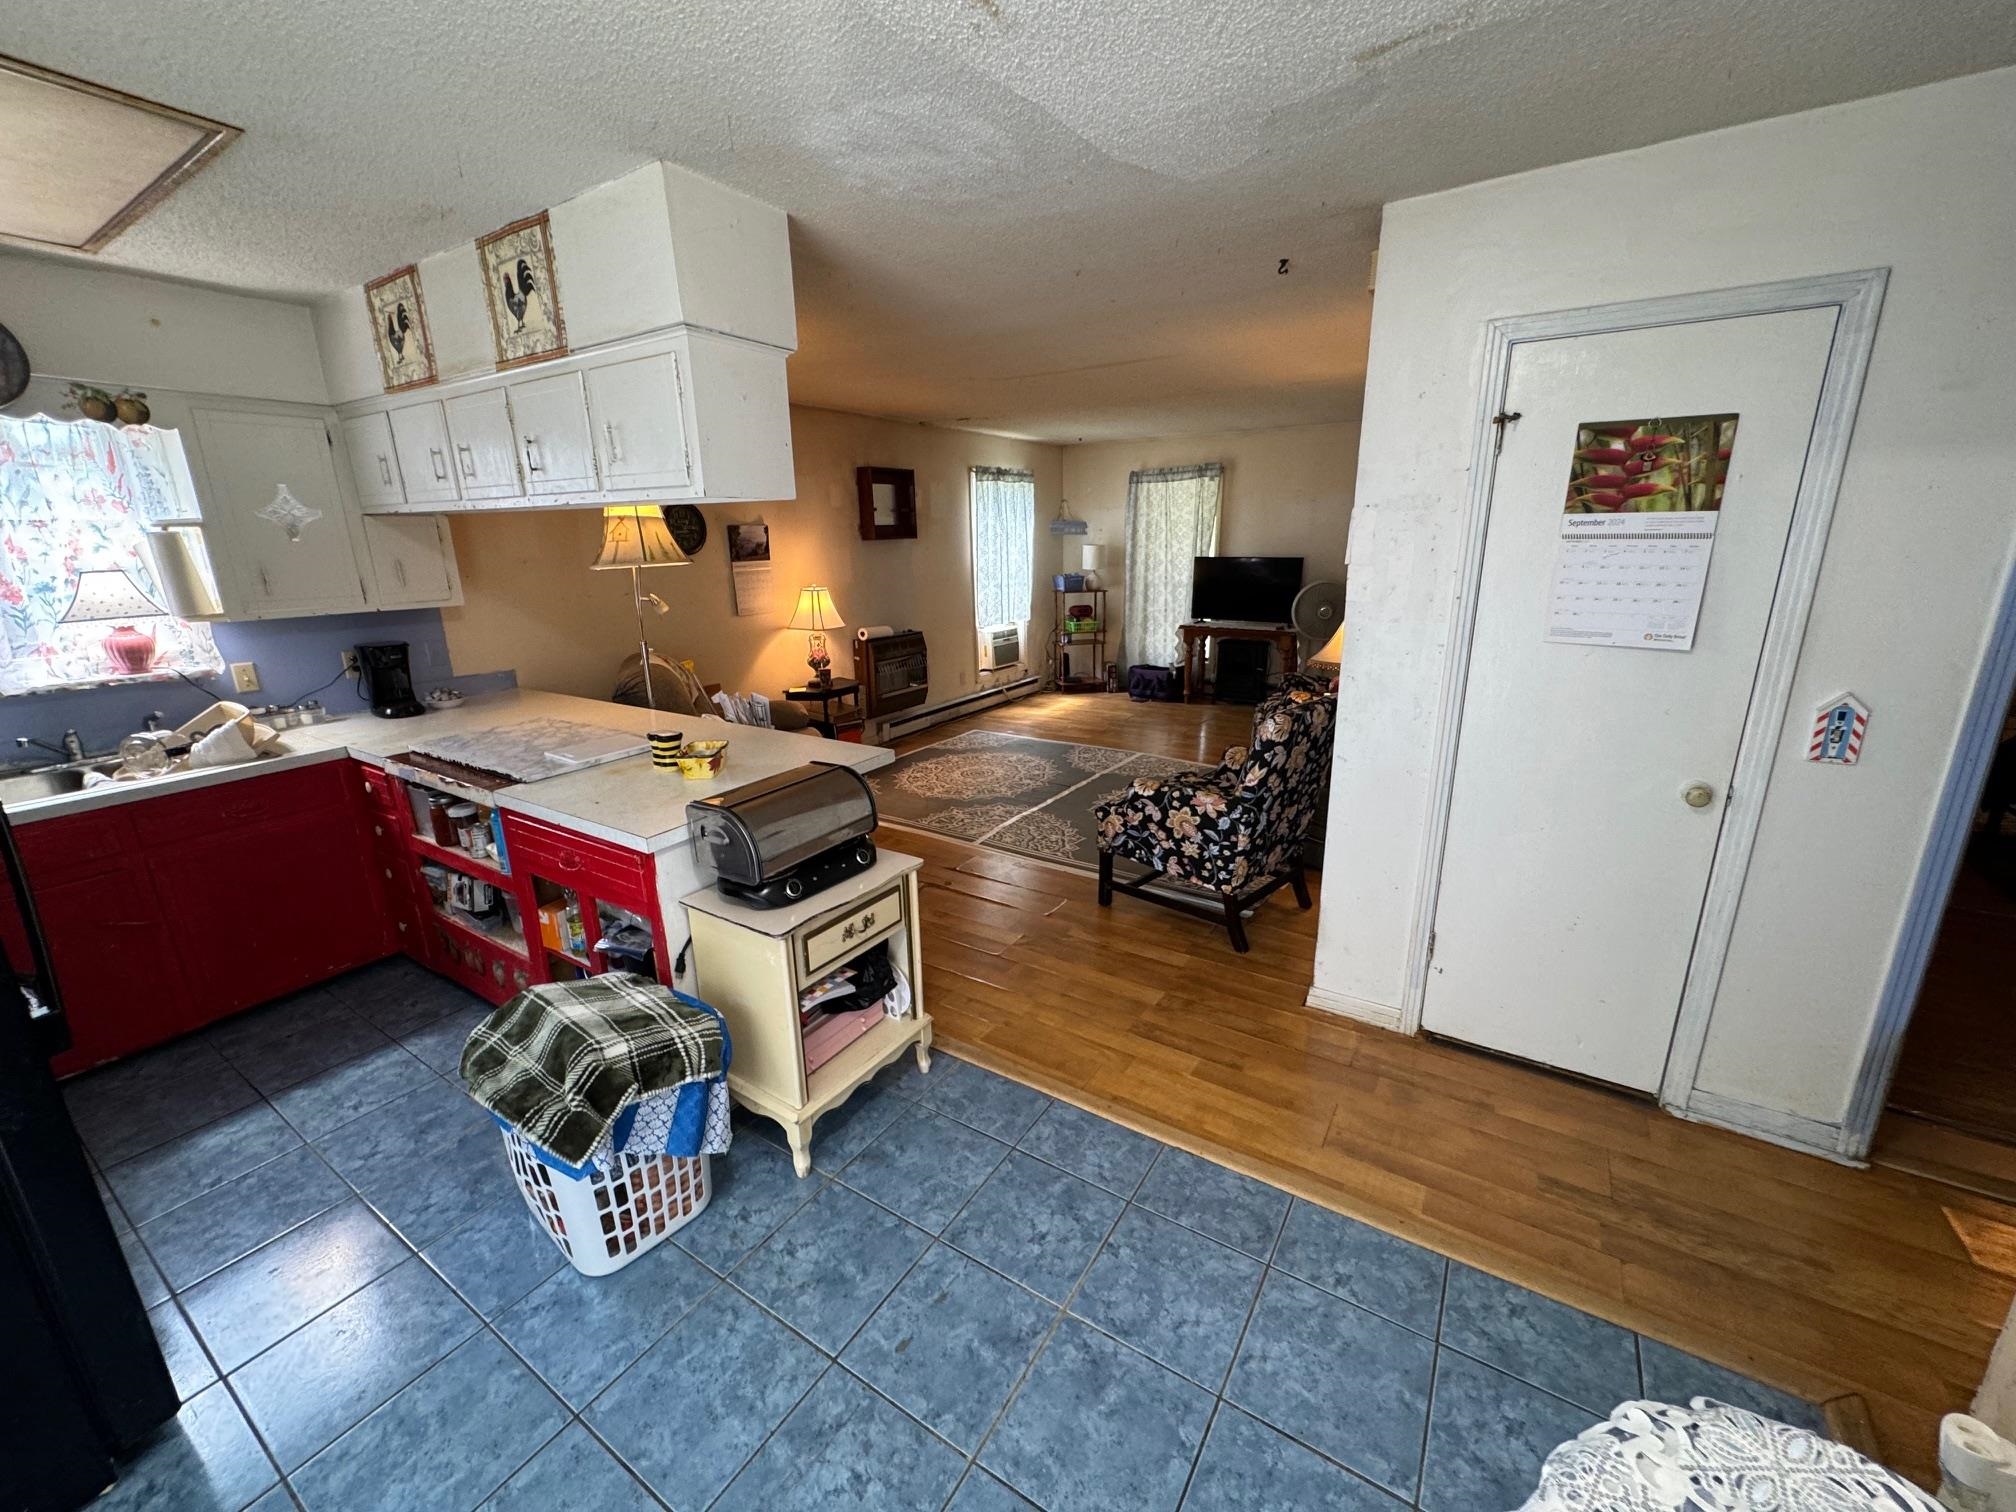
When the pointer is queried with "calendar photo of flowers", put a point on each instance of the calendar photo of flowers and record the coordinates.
(1662, 465)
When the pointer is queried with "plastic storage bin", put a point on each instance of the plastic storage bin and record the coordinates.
(603, 1222)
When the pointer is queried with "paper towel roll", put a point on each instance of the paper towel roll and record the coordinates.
(874, 632)
(1977, 1465)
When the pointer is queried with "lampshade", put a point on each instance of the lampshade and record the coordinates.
(1332, 654)
(816, 610)
(1091, 556)
(636, 535)
(108, 595)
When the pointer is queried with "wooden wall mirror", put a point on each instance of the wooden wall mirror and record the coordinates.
(888, 503)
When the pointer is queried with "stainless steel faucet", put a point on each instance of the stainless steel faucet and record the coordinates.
(72, 748)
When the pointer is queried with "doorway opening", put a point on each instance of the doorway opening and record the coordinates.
(1951, 1108)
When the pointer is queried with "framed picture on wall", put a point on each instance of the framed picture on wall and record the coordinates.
(399, 329)
(522, 292)
(887, 497)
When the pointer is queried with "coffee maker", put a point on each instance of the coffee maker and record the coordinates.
(386, 674)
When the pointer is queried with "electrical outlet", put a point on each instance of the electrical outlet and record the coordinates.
(245, 677)
(349, 662)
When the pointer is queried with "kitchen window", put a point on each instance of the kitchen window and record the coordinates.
(1004, 546)
(1172, 519)
(74, 498)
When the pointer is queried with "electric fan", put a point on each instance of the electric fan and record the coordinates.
(1317, 612)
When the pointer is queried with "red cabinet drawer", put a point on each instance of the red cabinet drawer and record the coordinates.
(609, 872)
(245, 802)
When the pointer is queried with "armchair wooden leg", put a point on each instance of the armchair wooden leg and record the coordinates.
(1105, 879)
(1298, 880)
(1235, 926)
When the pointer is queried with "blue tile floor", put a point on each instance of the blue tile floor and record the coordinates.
(981, 1299)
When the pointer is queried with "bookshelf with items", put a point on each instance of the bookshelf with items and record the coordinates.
(1080, 639)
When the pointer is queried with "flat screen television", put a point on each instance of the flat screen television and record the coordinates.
(1259, 589)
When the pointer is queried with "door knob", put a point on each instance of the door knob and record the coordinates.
(1697, 794)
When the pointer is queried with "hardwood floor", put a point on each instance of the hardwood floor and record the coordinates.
(1831, 1282)
(1959, 1062)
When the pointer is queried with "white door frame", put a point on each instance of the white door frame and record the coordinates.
(1952, 824)
(1859, 298)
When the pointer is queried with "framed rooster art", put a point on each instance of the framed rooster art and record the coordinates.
(399, 329)
(519, 287)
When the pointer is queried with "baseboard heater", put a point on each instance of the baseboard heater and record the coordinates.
(972, 703)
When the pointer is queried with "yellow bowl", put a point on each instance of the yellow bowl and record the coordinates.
(701, 759)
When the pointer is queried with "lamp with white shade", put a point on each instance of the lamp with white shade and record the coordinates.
(817, 613)
(636, 536)
(1092, 558)
(109, 594)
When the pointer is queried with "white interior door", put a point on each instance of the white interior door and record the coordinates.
(1574, 868)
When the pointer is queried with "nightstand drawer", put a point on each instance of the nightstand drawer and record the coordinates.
(829, 942)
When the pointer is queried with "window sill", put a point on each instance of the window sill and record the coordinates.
(120, 680)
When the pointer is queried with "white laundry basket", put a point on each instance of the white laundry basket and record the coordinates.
(604, 1221)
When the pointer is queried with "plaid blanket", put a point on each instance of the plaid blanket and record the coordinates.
(562, 1061)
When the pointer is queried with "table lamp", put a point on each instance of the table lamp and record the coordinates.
(109, 594)
(636, 536)
(1091, 557)
(1332, 654)
(817, 613)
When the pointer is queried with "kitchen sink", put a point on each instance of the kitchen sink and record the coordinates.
(49, 782)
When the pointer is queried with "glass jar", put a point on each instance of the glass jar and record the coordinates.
(467, 824)
(439, 826)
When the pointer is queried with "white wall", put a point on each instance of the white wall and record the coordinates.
(1287, 493)
(656, 247)
(1919, 182)
(122, 329)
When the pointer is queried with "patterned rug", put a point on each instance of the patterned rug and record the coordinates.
(1013, 792)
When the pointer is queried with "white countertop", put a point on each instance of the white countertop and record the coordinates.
(629, 802)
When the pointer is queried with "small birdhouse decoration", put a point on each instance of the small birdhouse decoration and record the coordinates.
(1838, 728)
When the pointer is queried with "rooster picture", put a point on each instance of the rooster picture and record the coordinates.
(399, 329)
(524, 299)
(518, 286)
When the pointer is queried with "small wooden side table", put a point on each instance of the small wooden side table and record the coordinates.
(842, 690)
(754, 962)
(1197, 640)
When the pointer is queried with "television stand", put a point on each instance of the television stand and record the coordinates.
(1197, 638)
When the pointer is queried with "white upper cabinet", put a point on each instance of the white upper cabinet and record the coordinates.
(682, 414)
(412, 562)
(273, 557)
(639, 422)
(420, 441)
(486, 452)
(374, 464)
(550, 416)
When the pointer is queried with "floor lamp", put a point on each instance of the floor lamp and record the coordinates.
(636, 536)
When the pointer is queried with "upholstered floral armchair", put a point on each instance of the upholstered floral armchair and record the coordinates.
(1236, 832)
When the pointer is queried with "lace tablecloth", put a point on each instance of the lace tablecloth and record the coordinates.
(1711, 1457)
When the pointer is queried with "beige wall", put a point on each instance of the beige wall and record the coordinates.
(532, 604)
(1287, 493)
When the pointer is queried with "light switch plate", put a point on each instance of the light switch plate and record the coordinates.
(245, 676)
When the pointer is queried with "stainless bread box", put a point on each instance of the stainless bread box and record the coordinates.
(759, 833)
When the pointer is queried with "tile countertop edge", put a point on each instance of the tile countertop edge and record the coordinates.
(371, 740)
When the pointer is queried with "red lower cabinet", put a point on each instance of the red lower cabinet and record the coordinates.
(170, 912)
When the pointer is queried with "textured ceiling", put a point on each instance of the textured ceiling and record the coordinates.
(1056, 218)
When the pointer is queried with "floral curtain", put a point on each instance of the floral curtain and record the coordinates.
(72, 499)
(1172, 519)
(1004, 549)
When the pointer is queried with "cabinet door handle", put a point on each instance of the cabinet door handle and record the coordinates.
(531, 442)
(468, 461)
(385, 468)
(399, 570)
(440, 464)
(615, 447)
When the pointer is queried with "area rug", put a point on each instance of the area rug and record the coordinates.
(1013, 792)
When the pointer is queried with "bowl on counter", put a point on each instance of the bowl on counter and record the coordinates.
(701, 759)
